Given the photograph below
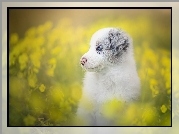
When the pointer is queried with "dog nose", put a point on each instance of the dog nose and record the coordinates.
(83, 61)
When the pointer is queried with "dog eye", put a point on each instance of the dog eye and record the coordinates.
(99, 48)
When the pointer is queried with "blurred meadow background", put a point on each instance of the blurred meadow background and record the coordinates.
(45, 77)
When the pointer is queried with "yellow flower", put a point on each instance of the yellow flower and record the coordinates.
(29, 120)
(51, 66)
(149, 114)
(155, 93)
(56, 51)
(153, 82)
(23, 59)
(14, 38)
(35, 70)
(35, 59)
(163, 108)
(111, 109)
(52, 61)
(151, 72)
(50, 72)
(165, 61)
(168, 91)
(167, 84)
(42, 88)
(154, 87)
(56, 94)
(32, 80)
(31, 32)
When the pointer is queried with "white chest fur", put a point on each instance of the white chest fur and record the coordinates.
(120, 82)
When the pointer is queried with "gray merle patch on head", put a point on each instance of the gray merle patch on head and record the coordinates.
(114, 45)
(119, 40)
(116, 41)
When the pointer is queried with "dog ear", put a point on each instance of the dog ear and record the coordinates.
(121, 45)
(118, 41)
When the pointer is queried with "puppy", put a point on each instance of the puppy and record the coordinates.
(110, 74)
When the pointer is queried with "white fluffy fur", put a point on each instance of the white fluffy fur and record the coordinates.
(105, 81)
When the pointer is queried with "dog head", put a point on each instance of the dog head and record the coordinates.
(107, 46)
